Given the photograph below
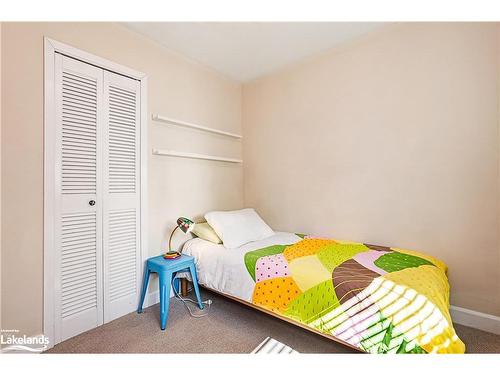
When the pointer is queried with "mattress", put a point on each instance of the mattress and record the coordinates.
(378, 299)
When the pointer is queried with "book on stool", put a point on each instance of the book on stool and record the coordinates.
(171, 255)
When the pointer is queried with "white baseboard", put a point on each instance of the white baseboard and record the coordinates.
(153, 298)
(475, 319)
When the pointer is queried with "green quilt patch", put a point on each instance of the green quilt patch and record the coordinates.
(252, 256)
(313, 303)
(335, 254)
(396, 261)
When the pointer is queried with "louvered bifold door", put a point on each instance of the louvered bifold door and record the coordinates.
(78, 203)
(121, 195)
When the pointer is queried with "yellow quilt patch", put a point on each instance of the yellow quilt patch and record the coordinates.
(308, 271)
(416, 301)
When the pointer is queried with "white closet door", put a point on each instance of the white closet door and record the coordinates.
(78, 211)
(121, 195)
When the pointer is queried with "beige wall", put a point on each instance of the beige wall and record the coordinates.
(393, 140)
(177, 88)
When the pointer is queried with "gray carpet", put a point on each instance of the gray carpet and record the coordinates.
(230, 328)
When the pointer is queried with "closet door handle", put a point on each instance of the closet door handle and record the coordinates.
(92, 202)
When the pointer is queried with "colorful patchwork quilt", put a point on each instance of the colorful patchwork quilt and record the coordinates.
(378, 299)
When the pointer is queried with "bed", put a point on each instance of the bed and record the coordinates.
(371, 298)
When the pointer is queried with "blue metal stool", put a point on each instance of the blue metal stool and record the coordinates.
(166, 270)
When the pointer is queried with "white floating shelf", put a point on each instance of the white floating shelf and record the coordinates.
(191, 155)
(171, 121)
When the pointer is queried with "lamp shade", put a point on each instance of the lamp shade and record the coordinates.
(185, 224)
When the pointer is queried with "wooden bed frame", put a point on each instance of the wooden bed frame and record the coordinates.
(184, 292)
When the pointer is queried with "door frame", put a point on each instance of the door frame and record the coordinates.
(51, 47)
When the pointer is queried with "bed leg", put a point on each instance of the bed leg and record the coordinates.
(184, 287)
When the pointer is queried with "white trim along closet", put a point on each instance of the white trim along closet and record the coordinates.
(94, 191)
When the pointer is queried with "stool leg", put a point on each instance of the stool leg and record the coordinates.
(165, 285)
(192, 269)
(144, 288)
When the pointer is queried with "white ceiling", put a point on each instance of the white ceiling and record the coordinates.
(246, 50)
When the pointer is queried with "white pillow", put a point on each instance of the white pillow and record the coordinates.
(236, 228)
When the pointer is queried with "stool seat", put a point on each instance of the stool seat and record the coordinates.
(160, 263)
(166, 270)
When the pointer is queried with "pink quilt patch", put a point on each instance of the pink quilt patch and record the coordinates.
(367, 259)
(271, 266)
